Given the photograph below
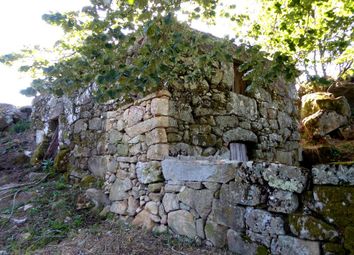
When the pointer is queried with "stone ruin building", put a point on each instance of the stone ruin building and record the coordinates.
(209, 161)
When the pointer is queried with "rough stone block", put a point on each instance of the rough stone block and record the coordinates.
(236, 193)
(239, 134)
(263, 226)
(238, 244)
(183, 223)
(284, 177)
(242, 106)
(228, 215)
(198, 170)
(160, 106)
(327, 174)
(149, 172)
(157, 135)
(119, 207)
(95, 124)
(157, 151)
(199, 200)
(119, 189)
(98, 165)
(133, 115)
(150, 124)
(293, 246)
(311, 228)
(215, 233)
(170, 202)
(282, 201)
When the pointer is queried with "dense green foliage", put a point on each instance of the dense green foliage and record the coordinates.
(318, 34)
(129, 48)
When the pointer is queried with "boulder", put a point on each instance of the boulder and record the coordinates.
(323, 122)
(314, 102)
(345, 89)
(9, 115)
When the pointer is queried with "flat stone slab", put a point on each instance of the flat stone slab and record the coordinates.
(221, 171)
(327, 174)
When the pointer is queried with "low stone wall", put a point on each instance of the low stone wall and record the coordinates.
(253, 208)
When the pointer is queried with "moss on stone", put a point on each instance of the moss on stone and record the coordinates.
(349, 239)
(61, 161)
(88, 181)
(311, 228)
(39, 152)
(333, 248)
(335, 204)
(262, 250)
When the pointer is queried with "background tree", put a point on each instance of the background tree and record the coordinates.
(128, 48)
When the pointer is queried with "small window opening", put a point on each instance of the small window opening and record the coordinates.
(238, 151)
(239, 84)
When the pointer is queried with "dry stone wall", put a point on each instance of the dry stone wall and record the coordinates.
(261, 208)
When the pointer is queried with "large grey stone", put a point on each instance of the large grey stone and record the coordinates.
(98, 165)
(236, 193)
(183, 223)
(198, 170)
(284, 177)
(149, 172)
(119, 189)
(55, 107)
(239, 134)
(95, 124)
(282, 201)
(323, 122)
(215, 233)
(263, 226)
(228, 215)
(293, 246)
(238, 244)
(242, 106)
(200, 200)
(331, 174)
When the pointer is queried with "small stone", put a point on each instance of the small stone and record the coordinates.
(170, 202)
(155, 187)
(133, 204)
(160, 106)
(143, 219)
(119, 207)
(282, 201)
(152, 207)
